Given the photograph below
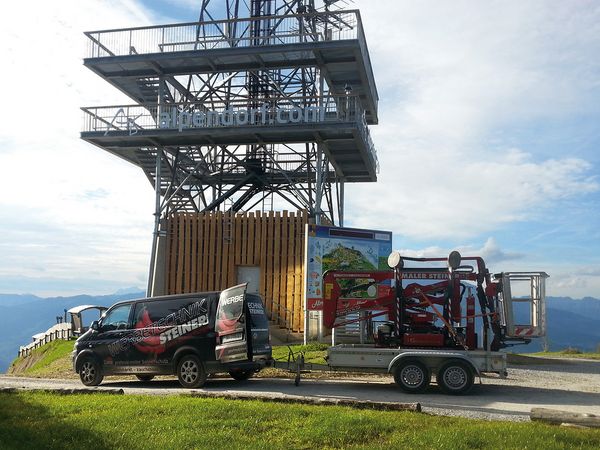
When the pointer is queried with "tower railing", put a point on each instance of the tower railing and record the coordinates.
(272, 111)
(285, 29)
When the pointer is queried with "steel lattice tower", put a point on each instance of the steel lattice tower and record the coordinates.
(266, 108)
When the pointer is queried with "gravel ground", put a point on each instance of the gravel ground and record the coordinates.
(568, 385)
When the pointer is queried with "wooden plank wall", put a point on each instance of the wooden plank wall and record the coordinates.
(203, 251)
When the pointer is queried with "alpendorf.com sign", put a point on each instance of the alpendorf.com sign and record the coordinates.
(263, 115)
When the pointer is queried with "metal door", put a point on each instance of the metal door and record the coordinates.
(250, 275)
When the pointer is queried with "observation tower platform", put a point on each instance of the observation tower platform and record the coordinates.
(338, 124)
(131, 59)
(241, 109)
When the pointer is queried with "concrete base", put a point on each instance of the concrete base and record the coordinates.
(281, 336)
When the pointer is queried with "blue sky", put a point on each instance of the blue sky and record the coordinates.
(488, 141)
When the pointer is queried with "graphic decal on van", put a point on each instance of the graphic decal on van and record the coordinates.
(155, 336)
(182, 329)
(256, 308)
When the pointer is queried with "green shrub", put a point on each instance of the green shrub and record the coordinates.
(571, 351)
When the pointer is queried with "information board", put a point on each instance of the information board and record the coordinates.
(334, 248)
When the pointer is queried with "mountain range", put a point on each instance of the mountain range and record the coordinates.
(571, 322)
(22, 316)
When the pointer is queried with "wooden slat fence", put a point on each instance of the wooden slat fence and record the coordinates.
(204, 251)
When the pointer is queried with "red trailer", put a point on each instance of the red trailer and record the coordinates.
(428, 309)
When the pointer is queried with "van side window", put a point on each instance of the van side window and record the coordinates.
(147, 313)
(117, 319)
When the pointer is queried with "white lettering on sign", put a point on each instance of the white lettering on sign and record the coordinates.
(425, 276)
(433, 276)
(235, 117)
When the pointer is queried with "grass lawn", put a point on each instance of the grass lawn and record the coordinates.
(568, 353)
(313, 353)
(51, 360)
(45, 420)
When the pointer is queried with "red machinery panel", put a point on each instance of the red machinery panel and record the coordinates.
(423, 339)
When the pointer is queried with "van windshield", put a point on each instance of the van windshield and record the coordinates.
(117, 318)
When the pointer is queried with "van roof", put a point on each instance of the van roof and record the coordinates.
(172, 296)
(165, 297)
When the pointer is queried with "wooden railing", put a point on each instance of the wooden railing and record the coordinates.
(58, 331)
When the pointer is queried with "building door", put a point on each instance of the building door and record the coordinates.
(250, 275)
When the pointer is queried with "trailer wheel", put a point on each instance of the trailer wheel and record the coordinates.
(190, 372)
(412, 376)
(455, 378)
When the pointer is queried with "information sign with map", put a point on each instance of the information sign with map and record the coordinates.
(351, 249)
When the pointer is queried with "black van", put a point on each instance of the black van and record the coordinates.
(190, 335)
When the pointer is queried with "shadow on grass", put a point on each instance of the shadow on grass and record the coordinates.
(491, 397)
(28, 424)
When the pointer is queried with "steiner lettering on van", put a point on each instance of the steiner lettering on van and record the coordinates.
(185, 328)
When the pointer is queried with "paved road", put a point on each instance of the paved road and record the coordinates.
(566, 386)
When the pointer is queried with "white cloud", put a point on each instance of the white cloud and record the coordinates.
(216, 8)
(433, 195)
(576, 281)
(69, 210)
(566, 278)
(458, 81)
(490, 251)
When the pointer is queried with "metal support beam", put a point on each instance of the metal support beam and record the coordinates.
(318, 185)
(341, 203)
(157, 215)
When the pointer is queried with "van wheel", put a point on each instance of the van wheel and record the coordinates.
(241, 375)
(455, 378)
(412, 376)
(190, 372)
(144, 377)
(90, 372)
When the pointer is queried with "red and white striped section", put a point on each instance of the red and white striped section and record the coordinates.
(525, 331)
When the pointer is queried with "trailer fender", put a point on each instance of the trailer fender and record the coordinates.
(433, 359)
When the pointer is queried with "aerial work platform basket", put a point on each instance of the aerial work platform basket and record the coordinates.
(523, 301)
